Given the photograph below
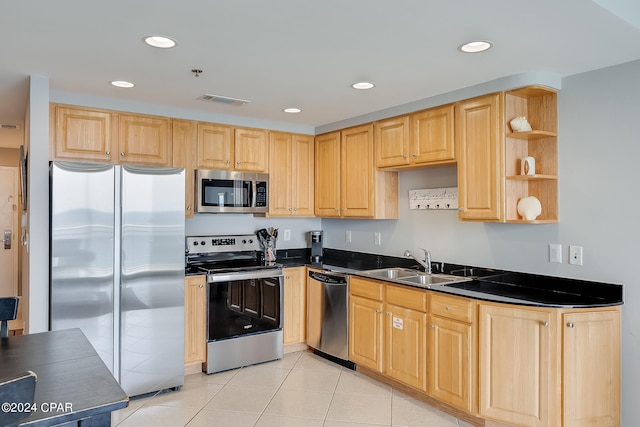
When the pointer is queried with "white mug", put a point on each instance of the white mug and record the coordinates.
(528, 166)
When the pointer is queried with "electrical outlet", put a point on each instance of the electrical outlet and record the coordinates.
(575, 255)
(347, 236)
(377, 239)
(287, 234)
(555, 253)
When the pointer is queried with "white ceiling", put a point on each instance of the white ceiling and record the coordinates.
(303, 53)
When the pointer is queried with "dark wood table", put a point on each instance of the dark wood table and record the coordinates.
(73, 385)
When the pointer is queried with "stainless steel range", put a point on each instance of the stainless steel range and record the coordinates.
(244, 310)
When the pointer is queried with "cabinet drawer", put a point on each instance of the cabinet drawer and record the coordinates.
(451, 307)
(366, 288)
(407, 297)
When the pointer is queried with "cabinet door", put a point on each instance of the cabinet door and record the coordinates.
(295, 305)
(365, 332)
(450, 362)
(327, 175)
(184, 138)
(591, 368)
(302, 177)
(251, 150)
(405, 344)
(144, 140)
(195, 319)
(479, 135)
(357, 191)
(214, 146)
(392, 142)
(83, 134)
(432, 135)
(280, 182)
(517, 366)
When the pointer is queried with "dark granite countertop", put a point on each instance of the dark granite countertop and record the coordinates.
(487, 284)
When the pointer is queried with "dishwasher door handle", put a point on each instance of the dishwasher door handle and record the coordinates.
(328, 279)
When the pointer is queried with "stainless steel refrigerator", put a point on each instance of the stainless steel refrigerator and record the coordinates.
(117, 267)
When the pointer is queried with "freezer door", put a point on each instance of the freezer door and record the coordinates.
(82, 251)
(151, 279)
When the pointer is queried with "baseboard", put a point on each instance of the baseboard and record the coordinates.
(292, 348)
(193, 368)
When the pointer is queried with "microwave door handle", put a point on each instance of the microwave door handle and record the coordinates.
(254, 193)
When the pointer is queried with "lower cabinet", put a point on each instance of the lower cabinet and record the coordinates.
(387, 330)
(549, 367)
(451, 351)
(195, 319)
(295, 305)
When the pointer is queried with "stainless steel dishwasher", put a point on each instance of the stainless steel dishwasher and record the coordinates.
(328, 314)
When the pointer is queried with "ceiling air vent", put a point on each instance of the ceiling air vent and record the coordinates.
(222, 99)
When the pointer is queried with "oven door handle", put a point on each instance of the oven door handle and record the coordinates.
(244, 275)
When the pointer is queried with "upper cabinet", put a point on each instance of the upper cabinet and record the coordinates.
(88, 134)
(227, 148)
(478, 136)
(492, 178)
(82, 134)
(416, 140)
(347, 184)
(291, 176)
(185, 135)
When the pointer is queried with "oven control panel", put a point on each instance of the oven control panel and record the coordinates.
(212, 244)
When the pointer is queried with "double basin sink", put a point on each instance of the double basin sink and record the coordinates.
(412, 277)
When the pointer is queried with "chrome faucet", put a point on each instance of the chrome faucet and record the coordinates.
(426, 262)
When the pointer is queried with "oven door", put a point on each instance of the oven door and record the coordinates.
(244, 307)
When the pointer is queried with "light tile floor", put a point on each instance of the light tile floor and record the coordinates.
(299, 390)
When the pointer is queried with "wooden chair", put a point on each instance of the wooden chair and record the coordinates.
(19, 390)
(8, 311)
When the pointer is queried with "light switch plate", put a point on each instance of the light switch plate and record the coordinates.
(555, 253)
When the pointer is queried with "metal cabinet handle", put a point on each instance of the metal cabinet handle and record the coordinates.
(404, 156)
(228, 161)
(447, 308)
(201, 286)
(122, 154)
(108, 153)
(570, 325)
(378, 311)
(188, 208)
(388, 313)
(414, 154)
(237, 162)
(545, 323)
(432, 326)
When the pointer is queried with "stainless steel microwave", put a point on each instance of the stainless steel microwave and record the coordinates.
(231, 192)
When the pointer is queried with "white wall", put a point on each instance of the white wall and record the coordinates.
(598, 155)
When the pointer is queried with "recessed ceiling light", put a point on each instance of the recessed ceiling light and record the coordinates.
(362, 85)
(122, 83)
(292, 110)
(161, 42)
(475, 46)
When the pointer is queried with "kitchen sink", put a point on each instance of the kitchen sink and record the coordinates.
(392, 273)
(413, 277)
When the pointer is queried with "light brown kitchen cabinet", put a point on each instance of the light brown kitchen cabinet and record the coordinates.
(591, 368)
(144, 140)
(539, 106)
(347, 184)
(451, 351)
(222, 147)
(420, 139)
(479, 130)
(295, 305)
(519, 365)
(83, 134)
(491, 181)
(387, 330)
(195, 320)
(291, 176)
(88, 134)
(184, 137)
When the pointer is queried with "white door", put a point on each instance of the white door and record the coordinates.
(9, 209)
